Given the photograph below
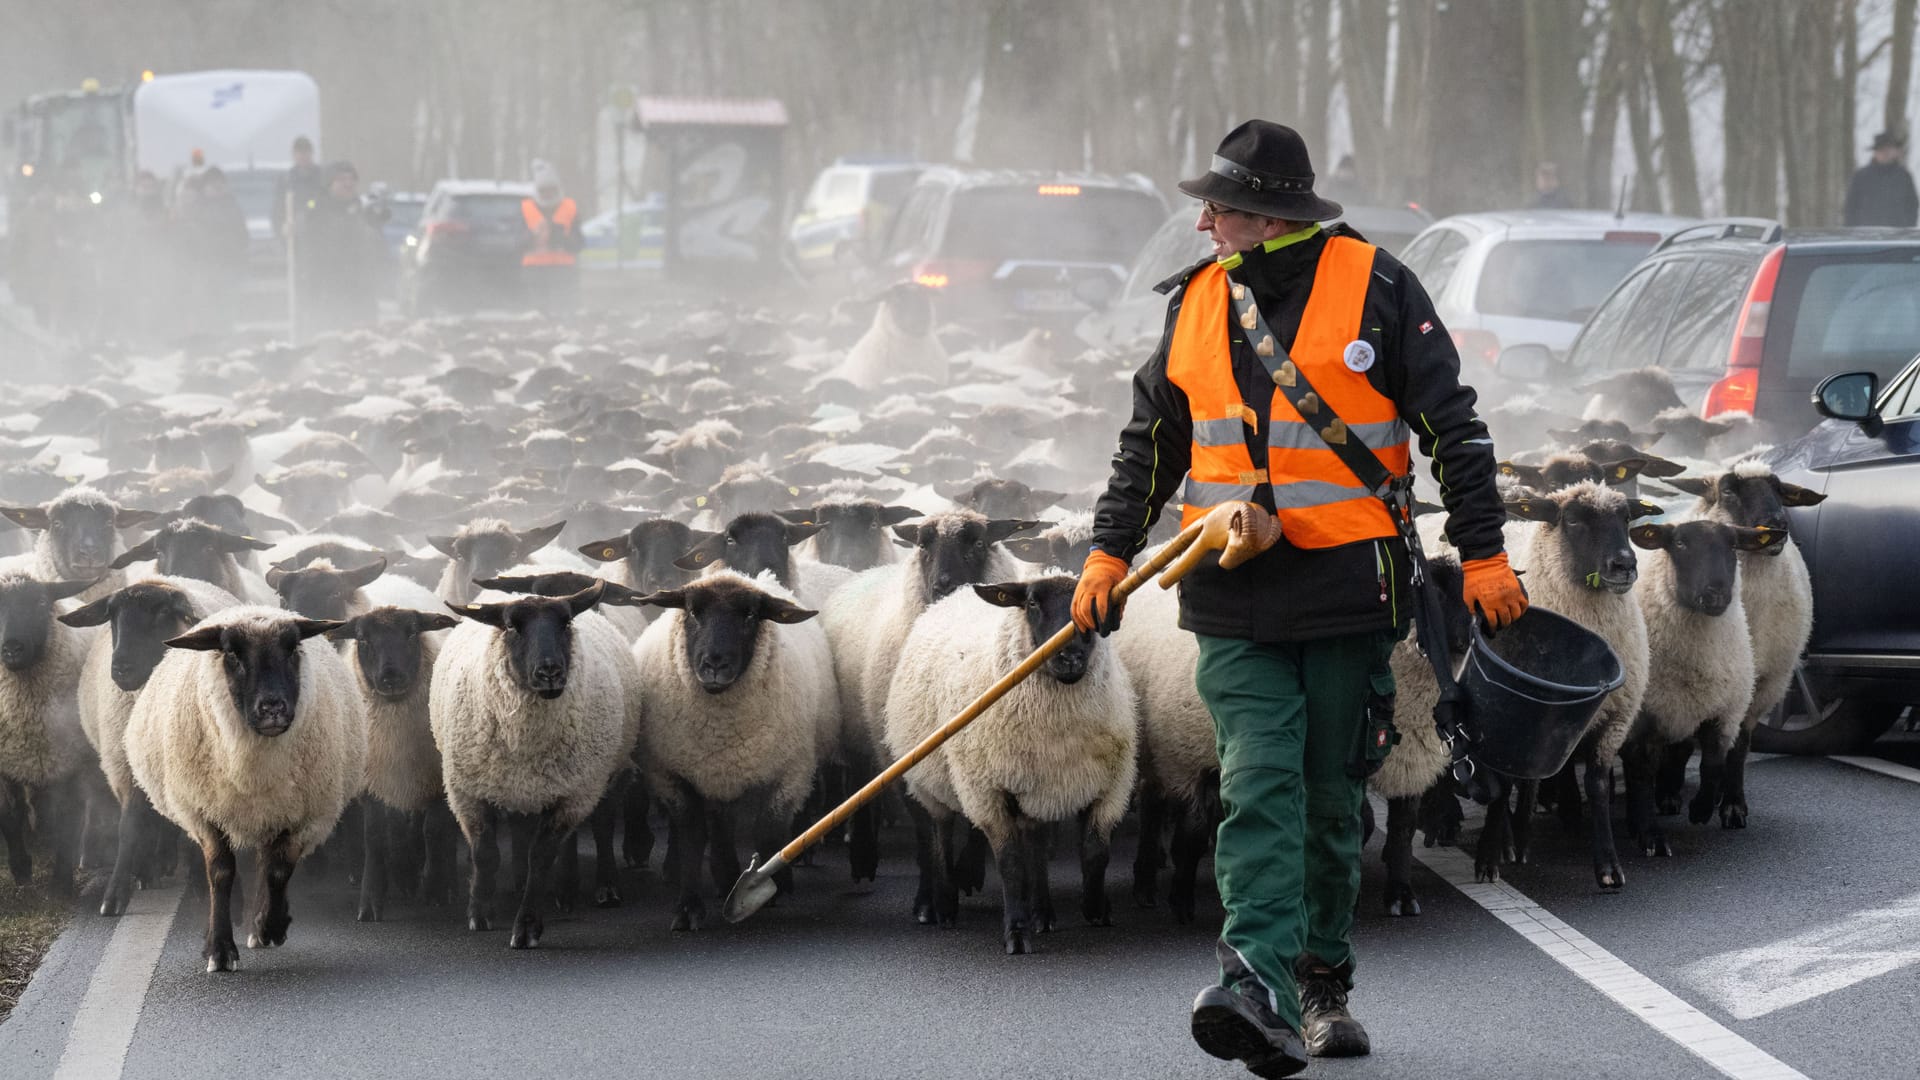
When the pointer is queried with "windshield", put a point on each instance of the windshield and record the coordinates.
(487, 209)
(1096, 225)
(1854, 315)
(1562, 280)
(404, 213)
(891, 187)
(82, 142)
(254, 189)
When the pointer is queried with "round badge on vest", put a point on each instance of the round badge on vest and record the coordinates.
(1359, 356)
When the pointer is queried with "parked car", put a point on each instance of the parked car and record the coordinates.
(402, 229)
(1527, 276)
(471, 239)
(850, 206)
(1028, 246)
(1862, 667)
(643, 247)
(1139, 314)
(1749, 317)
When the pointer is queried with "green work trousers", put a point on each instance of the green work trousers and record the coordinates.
(1288, 719)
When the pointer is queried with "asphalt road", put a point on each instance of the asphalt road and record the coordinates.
(1800, 935)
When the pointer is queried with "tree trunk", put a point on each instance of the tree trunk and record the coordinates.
(1363, 62)
(1554, 96)
(1670, 98)
(1406, 178)
(1900, 70)
(1745, 39)
(1479, 122)
(1317, 94)
(1609, 79)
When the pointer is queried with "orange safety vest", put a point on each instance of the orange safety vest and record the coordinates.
(1320, 502)
(563, 216)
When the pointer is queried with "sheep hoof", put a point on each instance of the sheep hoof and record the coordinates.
(1401, 902)
(526, 936)
(1486, 871)
(368, 913)
(1733, 816)
(1609, 875)
(606, 896)
(1700, 811)
(1668, 805)
(478, 923)
(1182, 909)
(227, 959)
(1143, 895)
(114, 901)
(1018, 943)
(689, 917)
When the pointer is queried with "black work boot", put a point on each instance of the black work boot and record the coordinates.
(1329, 1029)
(1238, 1023)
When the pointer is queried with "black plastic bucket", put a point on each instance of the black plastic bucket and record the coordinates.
(1533, 689)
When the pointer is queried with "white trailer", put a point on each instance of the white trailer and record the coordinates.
(238, 120)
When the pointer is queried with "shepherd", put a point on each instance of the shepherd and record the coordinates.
(1289, 350)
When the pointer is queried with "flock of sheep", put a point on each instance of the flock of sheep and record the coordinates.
(467, 579)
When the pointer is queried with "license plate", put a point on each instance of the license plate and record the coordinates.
(1044, 300)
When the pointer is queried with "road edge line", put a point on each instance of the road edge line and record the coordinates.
(103, 1025)
(1642, 998)
(1884, 768)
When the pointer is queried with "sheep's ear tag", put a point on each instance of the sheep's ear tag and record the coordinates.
(1526, 508)
(340, 475)
(354, 434)
(1286, 374)
(701, 501)
(1506, 468)
(162, 491)
(606, 553)
(579, 438)
(905, 469)
(1766, 537)
(793, 491)
(1620, 472)
(699, 557)
(1002, 595)
(473, 607)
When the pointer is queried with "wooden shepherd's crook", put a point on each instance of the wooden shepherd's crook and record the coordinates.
(1215, 532)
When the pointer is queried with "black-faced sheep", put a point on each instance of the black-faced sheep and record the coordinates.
(42, 747)
(484, 548)
(78, 538)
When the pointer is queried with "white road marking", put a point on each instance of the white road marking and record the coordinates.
(1884, 768)
(103, 1025)
(1648, 1001)
(1756, 981)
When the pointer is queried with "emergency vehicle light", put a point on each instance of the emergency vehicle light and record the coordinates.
(931, 281)
(26, 170)
(94, 198)
(1059, 189)
(147, 75)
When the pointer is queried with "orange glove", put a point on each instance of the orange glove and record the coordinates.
(1493, 590)
(1094, 607)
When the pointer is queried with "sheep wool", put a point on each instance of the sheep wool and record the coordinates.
(403, 765)
(1777, 593)
(1052, 749)
(206, 771)
(1177, 746)
(41, 740)
(1701, 676)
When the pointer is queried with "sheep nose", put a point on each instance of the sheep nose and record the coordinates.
(271, 716)
(13, 652)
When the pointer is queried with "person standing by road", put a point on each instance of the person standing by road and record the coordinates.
(1294, 643)
(1881, 192)
(340, 235)
(298, 186)
(549, 266)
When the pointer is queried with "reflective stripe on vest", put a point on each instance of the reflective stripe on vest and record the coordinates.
(1319, 500)
(562, 219)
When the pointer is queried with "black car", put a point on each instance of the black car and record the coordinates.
(1748, 317)
(1862, 546)
(471, 236)
(1027, 246)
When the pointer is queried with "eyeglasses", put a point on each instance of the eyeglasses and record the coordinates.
(1216, 211)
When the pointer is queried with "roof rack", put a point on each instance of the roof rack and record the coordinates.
(1761, 229)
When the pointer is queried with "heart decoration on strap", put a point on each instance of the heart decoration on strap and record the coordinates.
(1336, 432)
(1264, 347)
(1310, 404)
(1249, 318)
(1286, 374)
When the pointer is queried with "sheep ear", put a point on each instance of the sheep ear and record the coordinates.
(612, 549)
(1421, 506)
(1644, 439)
(1001, 528)
(345, 631)
(276, 574)
(1047, 498)
(805, 515)
(270, 486)
(534, 539)
(1650, 537)
(307, 628)
(1713, 429)
(1758, 539)
(908, 533)
(443, 545)
(425, 622)
(1544, 510)
(506, 584)
(1660, 468)
(361, 577)
(263, 522)
(491, 614)
(1639, 508)
(203, 639)
(1012, 594)
(785, 612)
(67, 590)
(1030, 548)
(1527, 474)
(618, 595)
(235, 544)
(1692, 485)
(94, 614)
(139, 552)
(894, 515)
(1795, 495)
(27, 517)
(584, 600)
(127, 519)
(676, 598)
(703, 554)
(799, 532)
(1624, 470)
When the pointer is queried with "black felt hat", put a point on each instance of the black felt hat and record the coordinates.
(1262, 168)
(1887, 140)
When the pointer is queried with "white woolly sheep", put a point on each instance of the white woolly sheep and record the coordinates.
(738, 682)
(1058, 747)
(250, 734)
(41, 744)
(532, 722)
(142, 615)
(900, 342)
(77, 541)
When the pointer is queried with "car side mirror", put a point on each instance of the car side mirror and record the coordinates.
(1849, 396)
(1095, 292)
(1524, 363)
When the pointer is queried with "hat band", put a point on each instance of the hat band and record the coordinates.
(1258, 181)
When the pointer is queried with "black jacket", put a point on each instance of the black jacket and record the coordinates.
(1882, 195)
(1289, 593)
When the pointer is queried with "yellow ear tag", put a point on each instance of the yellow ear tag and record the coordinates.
(793, 491)
(701, 501)
(579, 438)
(340, 475)
(699, 556)
(905, 469)
(606, 553)
(1620, 473)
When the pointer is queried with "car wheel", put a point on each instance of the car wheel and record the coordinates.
(1806, 725)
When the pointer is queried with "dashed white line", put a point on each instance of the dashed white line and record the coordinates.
(103, 1025)
(1884, 768)
(1645, 999)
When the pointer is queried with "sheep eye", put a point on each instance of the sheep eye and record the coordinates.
(731, 541)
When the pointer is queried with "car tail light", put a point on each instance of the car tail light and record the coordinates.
(448, 228)
(940, 273)
(931, 279)
(1478, 345)
(1739, 389)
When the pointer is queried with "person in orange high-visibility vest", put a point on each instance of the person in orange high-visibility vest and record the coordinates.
(1294, 643)
(549, 261)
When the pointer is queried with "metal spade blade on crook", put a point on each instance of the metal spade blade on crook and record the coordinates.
(1239, 530)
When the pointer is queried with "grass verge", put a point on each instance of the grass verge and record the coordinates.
(29, 921)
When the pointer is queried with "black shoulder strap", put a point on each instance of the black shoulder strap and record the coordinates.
(1180, 278)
